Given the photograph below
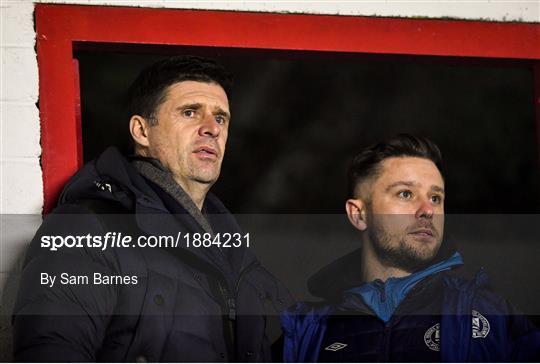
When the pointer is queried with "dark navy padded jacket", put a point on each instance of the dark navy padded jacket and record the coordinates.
(189, 305)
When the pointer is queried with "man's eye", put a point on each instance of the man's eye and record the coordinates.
(436, 199)
(189, 113)
(220, 119)
(405, 194)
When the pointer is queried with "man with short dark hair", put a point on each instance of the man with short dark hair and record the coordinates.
(88, 294)
(396, 298)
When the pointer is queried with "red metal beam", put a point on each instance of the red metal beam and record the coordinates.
(293, 32)
(59, 156)
(59, 26)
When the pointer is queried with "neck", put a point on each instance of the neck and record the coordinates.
(375, 268)
(195, 190)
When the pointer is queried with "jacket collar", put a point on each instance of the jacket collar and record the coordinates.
(384, 297)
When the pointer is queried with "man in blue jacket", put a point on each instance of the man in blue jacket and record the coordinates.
(397, 298)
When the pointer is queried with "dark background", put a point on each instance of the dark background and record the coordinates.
(299, 117)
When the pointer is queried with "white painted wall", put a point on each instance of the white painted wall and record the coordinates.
(527, 11)
(21, 187)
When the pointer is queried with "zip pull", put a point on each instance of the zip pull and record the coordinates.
(383, 294)
(230, 302)
(381, 287)
(232, 309)
(103, 186)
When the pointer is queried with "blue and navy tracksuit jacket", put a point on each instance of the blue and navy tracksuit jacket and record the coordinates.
(431, 315)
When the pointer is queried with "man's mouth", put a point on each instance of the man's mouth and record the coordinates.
(423, 232)
(206, 152)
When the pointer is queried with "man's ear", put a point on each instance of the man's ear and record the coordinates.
(138, 128)
(357, 213)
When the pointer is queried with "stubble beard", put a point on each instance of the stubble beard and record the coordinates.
(203, 172)
(403, 255)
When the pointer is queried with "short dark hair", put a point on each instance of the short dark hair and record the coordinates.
(367, 163)
(149, 89)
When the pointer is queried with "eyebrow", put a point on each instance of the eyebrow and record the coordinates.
(401, 183)
(216, 111)
(219, 111)
(437, 189)
(434, 188)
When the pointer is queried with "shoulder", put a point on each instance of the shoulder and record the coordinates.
(477, 289)
(86, 216)
(70, 219)
(477, 297)
(508, 332)
(109, 177)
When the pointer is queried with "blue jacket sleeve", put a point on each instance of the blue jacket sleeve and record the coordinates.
(304, 328)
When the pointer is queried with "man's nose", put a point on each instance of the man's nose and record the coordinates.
(424, 210)
(209, 126)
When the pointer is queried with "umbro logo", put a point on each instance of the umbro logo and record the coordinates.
(335, 347)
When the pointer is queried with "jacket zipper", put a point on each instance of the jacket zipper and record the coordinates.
(230, 304)
(386, 342)
(228, 320)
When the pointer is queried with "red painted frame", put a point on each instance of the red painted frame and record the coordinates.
(60, 27)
